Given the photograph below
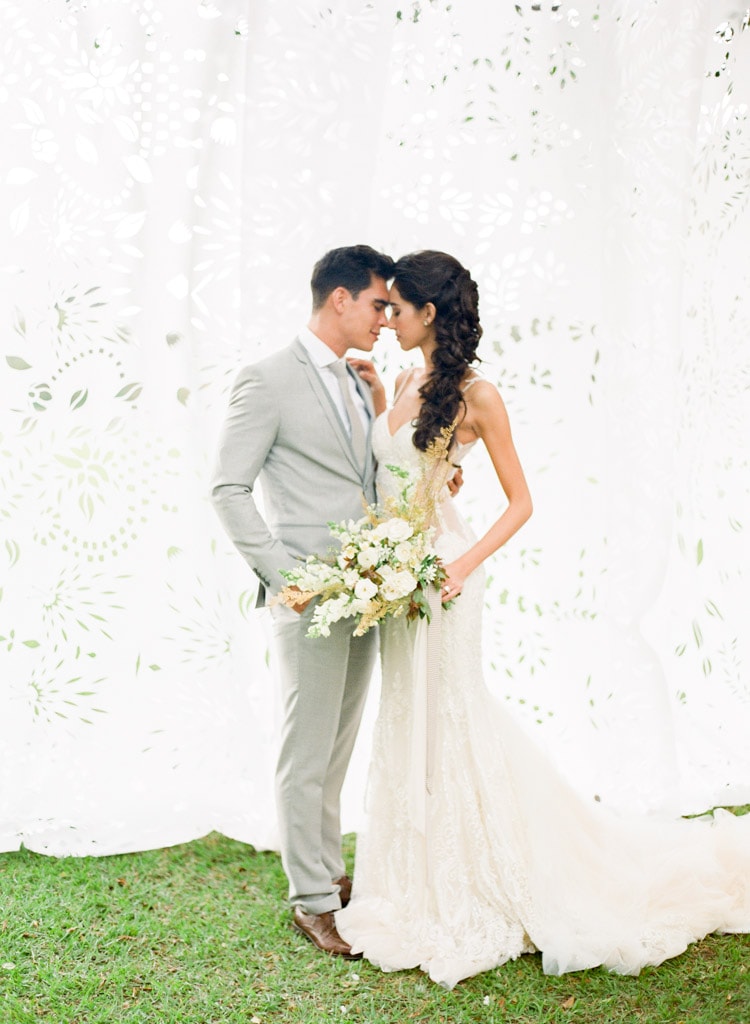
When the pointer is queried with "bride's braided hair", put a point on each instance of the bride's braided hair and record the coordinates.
(436, 277)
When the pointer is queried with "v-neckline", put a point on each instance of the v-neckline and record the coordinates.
(404, 386)
(406, 423)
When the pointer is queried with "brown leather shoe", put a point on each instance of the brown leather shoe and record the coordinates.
(345, 888)
(320, 929)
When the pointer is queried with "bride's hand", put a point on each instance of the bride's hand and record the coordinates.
(453, 583)
(366, 370)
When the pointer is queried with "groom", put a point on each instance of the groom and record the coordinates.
(300, 422)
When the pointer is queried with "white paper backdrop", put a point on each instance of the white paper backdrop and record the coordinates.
(170, 172)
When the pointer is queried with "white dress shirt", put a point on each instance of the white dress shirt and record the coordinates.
(322, 356)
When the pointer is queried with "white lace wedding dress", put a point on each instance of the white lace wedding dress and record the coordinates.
(502, 857)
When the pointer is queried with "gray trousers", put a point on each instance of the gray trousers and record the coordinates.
(323, 688)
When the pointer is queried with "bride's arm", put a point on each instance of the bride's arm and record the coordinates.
(487, 419)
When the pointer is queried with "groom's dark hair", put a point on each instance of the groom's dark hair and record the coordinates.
(351, 267)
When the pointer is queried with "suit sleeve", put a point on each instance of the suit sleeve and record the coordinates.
(247, 437)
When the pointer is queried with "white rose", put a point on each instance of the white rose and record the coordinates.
(404, 551)
(365, 589)
(398, 585)
(368, 557)
(398, 530)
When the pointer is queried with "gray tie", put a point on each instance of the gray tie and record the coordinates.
(359, 445)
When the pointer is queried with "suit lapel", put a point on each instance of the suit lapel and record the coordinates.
(326, 403)
(366, 394)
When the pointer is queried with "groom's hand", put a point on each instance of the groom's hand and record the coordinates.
(456, 482)
(366, 370)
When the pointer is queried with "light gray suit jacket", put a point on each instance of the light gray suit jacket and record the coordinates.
(283, 430)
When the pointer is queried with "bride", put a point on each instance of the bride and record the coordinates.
(476, 850)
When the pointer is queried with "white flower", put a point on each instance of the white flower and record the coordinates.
(368, 557)
(397, 584)
(365, 589)
(338, 608)
(395, 529)
(380, 531)
(428, 572)
(313, 575)
(398, 529)
(404, 551)
(318, 627)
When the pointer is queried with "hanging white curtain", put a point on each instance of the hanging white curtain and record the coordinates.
(171, 170)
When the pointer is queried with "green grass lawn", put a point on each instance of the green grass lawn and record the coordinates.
(200, 934)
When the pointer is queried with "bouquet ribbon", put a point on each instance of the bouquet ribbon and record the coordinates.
(426, 667)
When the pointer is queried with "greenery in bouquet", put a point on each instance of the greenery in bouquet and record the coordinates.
(386, 560)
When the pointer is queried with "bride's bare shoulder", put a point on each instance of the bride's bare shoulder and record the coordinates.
(484, 404)
(477, 390)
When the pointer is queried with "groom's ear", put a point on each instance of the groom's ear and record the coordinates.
(338, 298)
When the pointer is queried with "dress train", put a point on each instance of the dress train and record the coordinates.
(504, 858)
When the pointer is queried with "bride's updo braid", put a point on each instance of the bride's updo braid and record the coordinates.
(436, 277)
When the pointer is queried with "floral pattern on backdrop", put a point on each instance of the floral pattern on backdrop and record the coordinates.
(171, 172)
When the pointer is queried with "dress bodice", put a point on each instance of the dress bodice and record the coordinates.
(453, 534)
(397, 449)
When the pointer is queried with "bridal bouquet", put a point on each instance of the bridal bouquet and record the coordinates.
(386, 560)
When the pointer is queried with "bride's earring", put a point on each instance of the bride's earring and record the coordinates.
(427, 323)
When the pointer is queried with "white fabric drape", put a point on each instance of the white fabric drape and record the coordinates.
(170, 173)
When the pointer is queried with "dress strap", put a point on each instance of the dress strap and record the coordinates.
(470, 383)
(404, 383)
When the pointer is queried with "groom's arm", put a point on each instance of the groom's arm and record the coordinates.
(247, 437)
